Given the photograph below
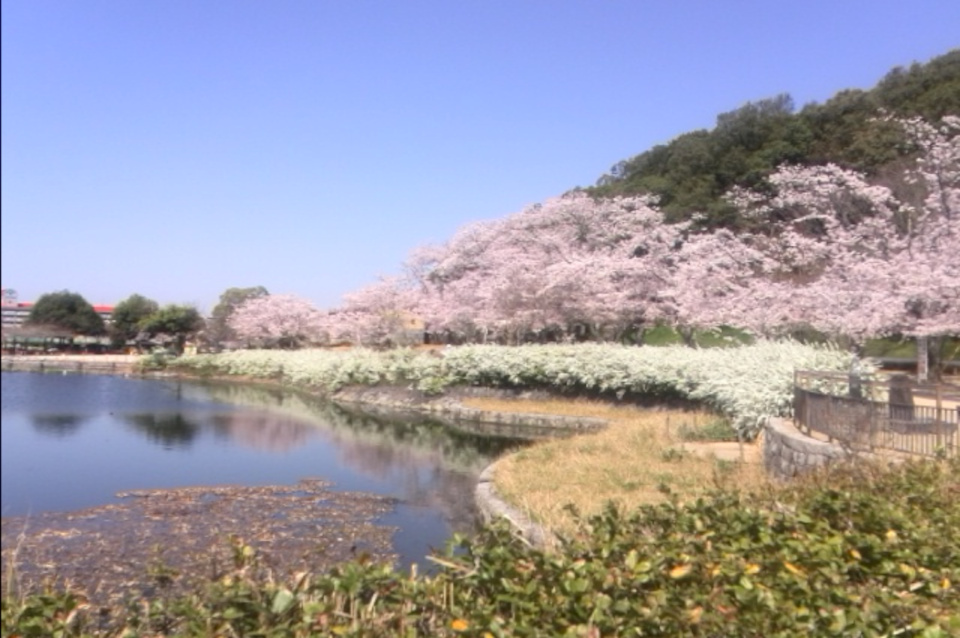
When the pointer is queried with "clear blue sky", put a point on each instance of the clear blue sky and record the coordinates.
(176, 148)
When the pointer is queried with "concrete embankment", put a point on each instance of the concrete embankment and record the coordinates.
(82, 363)
(450, 407)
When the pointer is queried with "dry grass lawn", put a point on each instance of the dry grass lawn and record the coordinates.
(630, 462)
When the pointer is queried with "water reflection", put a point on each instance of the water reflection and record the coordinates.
(57, 425)
(429, 463)
(168, 430)
(373, 443)
(262, 431)
(137, 434)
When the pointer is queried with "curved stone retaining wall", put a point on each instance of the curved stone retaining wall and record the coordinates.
(449, 407)
(788, 452)
(493, 507)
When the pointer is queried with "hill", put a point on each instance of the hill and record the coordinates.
(691, 172)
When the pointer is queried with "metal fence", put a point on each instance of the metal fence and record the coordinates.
(867, 414)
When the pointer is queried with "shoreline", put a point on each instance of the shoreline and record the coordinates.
(57, 538)
(402, 400)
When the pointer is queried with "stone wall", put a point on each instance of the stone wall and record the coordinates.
(492, 507)
(788, 452)
(449, 407)
(87, 364)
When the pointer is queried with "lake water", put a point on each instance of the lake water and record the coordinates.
(72, 441)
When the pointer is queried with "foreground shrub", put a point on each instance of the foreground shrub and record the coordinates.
(860, 551)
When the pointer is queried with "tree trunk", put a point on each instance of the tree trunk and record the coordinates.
(687, 335)
(923, 359)
(930, 358)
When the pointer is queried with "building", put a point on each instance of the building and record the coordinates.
(15, 312)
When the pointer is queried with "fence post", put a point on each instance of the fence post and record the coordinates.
(941, 425)
(799, 413)
(923, 359)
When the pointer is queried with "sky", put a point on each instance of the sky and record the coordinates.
(178, 148)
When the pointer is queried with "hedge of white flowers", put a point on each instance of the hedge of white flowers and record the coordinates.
(748, 384)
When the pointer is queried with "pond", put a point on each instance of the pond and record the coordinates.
(73, 442)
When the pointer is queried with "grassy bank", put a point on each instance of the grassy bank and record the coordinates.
(641, 458)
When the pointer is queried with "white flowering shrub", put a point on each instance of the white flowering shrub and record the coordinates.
(748, 384)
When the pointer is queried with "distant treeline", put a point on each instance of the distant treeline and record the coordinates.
(692, 172)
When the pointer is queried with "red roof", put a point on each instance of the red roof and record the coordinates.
(97, 307)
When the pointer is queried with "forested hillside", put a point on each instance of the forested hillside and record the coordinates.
(691, 173)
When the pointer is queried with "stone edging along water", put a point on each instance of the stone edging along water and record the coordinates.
(488, 501)
(787, 453)
(492, 507)
(92, 364)
(449, 407)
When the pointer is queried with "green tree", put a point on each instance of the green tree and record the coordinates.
(691, 173)
(67, 310)
(128, 317)
(218, 328)
(172, 324)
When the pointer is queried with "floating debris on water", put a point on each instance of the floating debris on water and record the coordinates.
(114, 552)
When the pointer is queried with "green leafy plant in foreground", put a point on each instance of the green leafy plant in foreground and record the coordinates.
(862, 550)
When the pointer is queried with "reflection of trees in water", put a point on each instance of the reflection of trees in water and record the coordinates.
(58, 425)
(234, 393)
(404, 438)
(433, 464)
(168, 430)
(419, 437)
(262, 431)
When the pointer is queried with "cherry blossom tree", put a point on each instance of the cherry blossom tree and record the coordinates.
(379, 314)
(838, 253)
(572, 263)
(830, 249)
(285, 321)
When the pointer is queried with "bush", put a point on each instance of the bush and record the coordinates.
(859, 551)
(748, 384)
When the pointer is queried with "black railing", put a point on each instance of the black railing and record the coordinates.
(867, 414)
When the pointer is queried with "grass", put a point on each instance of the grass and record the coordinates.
(907, 348)
(641, 457)
(722, 337)
(895, 348)
(661, 336)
